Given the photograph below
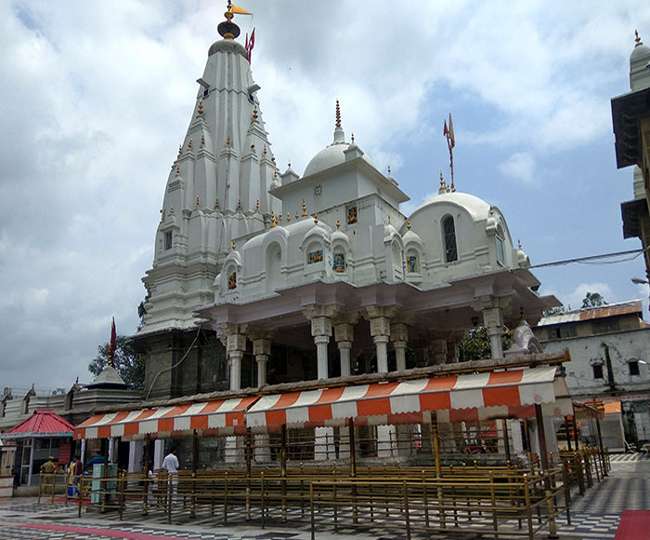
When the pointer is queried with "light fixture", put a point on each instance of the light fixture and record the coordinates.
(642, 362)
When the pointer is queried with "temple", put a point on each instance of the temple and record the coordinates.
(311, 302)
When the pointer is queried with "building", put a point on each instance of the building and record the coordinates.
(610, 361)
(273, 291)
(631, 120)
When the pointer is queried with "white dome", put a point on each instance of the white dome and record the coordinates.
(477, 208)
(639, 52)
(328, 157)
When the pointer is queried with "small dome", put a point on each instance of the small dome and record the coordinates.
(411, 237)
(325, 159)
(477, 208)
(640, 52)
(339, 235)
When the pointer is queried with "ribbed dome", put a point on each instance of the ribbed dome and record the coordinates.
(476, 207)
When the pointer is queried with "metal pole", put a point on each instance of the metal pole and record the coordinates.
(541, 437)
(435, 446)
(601, 447)
(568, 433)
(506, 441)
(353, 448)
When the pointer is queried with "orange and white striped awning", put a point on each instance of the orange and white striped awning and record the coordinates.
(222, 416)
(496, 393)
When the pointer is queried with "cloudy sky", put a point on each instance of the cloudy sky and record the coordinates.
(96, 96)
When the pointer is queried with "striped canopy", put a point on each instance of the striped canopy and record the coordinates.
(496, 393)
(223, 416)
(468, 397)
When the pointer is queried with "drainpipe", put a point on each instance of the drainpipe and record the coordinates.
(610, 371)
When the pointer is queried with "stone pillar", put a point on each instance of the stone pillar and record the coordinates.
(380, 331)
(136, 449)
(399, 337)
(158, 456)
(321, 330)
(262, 352)
(235, 348)
(344, 335)
(493, 321)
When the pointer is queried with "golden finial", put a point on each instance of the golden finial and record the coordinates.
(197, 203)
(288, 217)
(315, 216)
(178, 170)
(388, 169)
(519, 244)
(239, 205)
(189, 145)
(274, 220)
(353, 138)
(289, 166)
(228, 141)
(304, 208)
(338, 114)
(257, 205)
(202, 140)
(180, 150)
(264, 151)
(408, 225)
(233, 245)
(338, 224)
(637, 38)
(199, 109)
(217, 206)
(297, 216)
(254, 115)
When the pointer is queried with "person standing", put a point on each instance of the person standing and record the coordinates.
(170, 464)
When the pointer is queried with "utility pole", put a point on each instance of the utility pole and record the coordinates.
(610, 370)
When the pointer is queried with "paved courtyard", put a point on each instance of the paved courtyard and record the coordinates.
(595, 517)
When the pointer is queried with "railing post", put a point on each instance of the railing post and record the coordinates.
(567, 490)
(552, 526)
(529, 508)
(81, 480)
(262, 501)
(311, 510)
(407, 515)
(225, 500)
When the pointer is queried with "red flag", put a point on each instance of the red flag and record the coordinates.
(250, 43)
(112, 345)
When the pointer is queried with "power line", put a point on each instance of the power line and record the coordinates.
(586, 260)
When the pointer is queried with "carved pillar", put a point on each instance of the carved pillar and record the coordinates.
(379, 318)
(344, 335)
(493, 321)
(399, 337)
(321, 331)
(235, 336)
(262, 352)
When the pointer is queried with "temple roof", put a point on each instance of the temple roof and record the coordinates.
(42, 423)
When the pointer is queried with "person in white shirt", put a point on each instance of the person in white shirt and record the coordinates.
(170, 463)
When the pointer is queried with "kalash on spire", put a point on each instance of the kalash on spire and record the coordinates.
(218, 186)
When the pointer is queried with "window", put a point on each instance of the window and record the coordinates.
(449, 237)
(315, 256)
(352, 215)
(338, 264)
(168, 240)
(232, 280)
(565, 331)
(598, 371)
(412, 263)
(633, 366)
(500, 250)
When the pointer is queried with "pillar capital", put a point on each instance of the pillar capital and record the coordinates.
(373, 312)
(261, 346)
(321, 339)
(398, 333)
(321, 326)
(343, 332)
(380, 326)
(310, 312)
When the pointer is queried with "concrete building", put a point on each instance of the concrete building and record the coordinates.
(610, 361)
(631, 120)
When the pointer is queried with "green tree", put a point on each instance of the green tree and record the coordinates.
(594, 299)
(128, 364)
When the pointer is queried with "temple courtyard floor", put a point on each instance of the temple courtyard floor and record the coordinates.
(596, 516)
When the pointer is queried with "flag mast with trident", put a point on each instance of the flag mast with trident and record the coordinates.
(448, 132)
